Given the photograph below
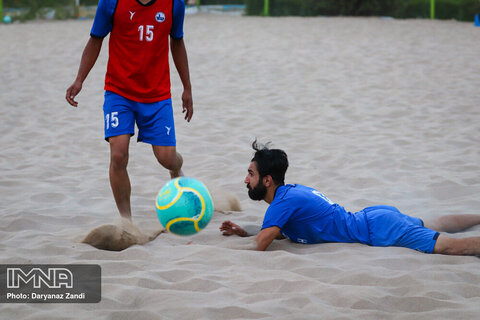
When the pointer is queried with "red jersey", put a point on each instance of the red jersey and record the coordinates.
(138, 66)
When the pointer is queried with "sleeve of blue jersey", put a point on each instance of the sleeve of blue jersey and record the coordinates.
(276, 215)
(103, 22)
(178, 18)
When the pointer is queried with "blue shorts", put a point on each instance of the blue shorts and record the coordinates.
(154, 120)
(389, 227)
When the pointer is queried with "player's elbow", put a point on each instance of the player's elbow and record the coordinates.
(262, 243)
(261, 247)
(176, 43)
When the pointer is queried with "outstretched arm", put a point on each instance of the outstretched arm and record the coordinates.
(89, 57)
(179, 55)
(263, 238)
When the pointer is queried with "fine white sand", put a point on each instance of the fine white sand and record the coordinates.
(370, 111)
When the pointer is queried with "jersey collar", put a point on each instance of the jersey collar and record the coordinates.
(146, 4)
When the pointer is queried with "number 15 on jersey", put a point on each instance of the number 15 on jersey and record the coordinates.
(146, 33)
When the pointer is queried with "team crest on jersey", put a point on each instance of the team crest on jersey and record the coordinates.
(160, 17)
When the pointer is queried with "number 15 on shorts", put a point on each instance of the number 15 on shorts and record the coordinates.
(111, 119)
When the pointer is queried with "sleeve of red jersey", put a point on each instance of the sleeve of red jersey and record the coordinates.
(178, 17)
(103, 22)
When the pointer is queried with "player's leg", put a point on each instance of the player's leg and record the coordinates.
(119, 127)
(463, 246)
(170, 159)
(119, 180)
(156, 126)
(453, 223)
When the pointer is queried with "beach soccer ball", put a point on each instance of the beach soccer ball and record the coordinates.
(184, 206)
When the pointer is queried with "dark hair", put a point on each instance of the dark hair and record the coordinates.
(272, 162)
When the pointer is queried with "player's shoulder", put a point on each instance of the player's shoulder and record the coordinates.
(112, 4)
(178, 6)
(286, 199)
(288, 192)
(298, 194)
(290, 189)
(108, 5)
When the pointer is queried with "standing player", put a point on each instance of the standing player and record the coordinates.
(137, 82)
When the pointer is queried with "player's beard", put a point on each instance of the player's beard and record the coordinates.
(258, 192)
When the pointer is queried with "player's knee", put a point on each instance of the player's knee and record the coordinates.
(119, 159)
(168, 162)
(169, 159)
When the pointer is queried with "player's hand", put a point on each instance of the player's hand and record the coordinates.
(187, 104)
(229, 228)
(72, 92)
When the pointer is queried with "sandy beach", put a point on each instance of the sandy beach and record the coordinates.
(369, 110)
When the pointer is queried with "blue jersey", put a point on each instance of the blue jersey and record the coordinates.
(305, 215)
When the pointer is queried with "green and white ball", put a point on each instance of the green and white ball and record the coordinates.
(184, 206)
